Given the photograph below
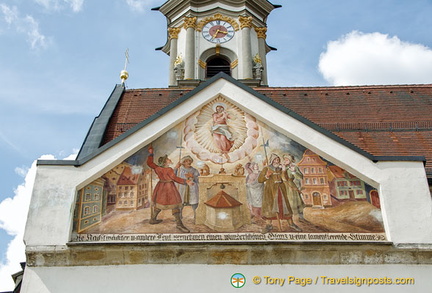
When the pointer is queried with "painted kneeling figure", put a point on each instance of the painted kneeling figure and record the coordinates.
(165, 195)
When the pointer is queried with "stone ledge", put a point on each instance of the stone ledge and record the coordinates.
(241, 254)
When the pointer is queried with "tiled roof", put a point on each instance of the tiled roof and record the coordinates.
(357, 104)
(128, 178)
(338, 172)
(382, 120)
(138, 105)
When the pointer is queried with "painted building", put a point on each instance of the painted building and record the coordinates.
(111, 178)
(89, 207)
(345, 186)
(220, 113)
(144, 189)
(316, 190)
(127, 190)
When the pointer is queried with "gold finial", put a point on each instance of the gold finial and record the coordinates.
(124, 74)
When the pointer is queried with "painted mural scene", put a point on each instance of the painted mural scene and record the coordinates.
(223, 172)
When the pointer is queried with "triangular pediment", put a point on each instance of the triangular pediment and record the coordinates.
(232, 137)
(340, 188)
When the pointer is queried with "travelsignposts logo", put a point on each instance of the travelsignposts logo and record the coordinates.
(238, 280)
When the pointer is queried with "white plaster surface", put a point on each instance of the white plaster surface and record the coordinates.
(217, 278)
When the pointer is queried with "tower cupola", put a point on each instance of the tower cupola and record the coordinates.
(207, 37)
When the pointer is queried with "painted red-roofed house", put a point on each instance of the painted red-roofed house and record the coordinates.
(316, 191)
(345, 186)
(133, 188)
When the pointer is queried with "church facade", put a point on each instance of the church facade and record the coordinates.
(220, 182)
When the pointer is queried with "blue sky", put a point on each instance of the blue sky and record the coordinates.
(60, 60)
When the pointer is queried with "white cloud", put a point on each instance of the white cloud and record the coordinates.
(73, 155)
(31, 27)
(49, 4)
(136, 5)
(13, 216)
(141, 5)
(22, 171)
(15, 255)
(26, 25)
(10, 14)
(359, 59)
(76, 5)
(54, 5)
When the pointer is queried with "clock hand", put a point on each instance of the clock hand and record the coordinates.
(219, 31)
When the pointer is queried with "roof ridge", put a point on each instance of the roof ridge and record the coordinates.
(388, 126)
(344, 87)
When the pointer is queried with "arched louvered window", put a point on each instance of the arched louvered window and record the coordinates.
(216, 65)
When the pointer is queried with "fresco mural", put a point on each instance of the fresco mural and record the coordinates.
(222, 175)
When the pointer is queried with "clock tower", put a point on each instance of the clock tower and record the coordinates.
(210, 36)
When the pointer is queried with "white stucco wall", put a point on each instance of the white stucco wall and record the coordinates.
(206, 278)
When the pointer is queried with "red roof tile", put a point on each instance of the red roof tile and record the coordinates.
(128, 178)
(382, 120)
(338, 172)
(138, 105)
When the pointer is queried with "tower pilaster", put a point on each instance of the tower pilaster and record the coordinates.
(189, 26)
(246, 48)
(262, 35)
(173, 33)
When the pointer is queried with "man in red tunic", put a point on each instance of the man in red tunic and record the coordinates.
(165, 195)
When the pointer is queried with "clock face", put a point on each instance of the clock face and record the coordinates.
(218, 31)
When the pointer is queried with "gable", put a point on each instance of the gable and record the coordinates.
(237, 161)
(387, 181)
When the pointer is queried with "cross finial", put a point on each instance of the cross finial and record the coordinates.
(124, 74)
(127, 58)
